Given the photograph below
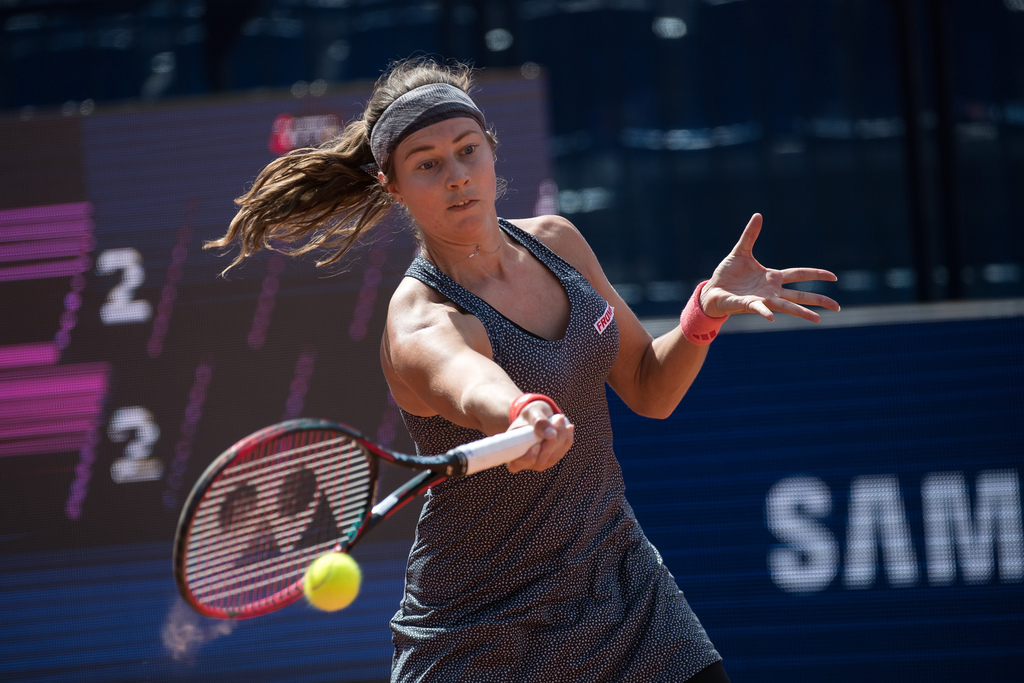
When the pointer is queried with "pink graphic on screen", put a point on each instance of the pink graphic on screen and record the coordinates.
(46, 407)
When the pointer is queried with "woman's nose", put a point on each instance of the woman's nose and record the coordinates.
(458, 175)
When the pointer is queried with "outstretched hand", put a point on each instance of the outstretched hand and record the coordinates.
(742, 285)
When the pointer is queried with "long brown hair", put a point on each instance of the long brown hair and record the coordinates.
(328, 197)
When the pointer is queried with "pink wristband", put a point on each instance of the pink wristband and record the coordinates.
(698, 327)
(520, 403)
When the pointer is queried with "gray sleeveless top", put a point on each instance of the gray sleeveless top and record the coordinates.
(540, 576)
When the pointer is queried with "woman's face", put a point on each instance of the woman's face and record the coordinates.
(444, 174)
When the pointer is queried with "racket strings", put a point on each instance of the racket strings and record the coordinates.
(219, 560)
(270, 571)
(230, 480)
(210, 524)
(209, 517)
(222, 563)
(318, 449)
(271, 512)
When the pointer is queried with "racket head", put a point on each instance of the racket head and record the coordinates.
(265, 509)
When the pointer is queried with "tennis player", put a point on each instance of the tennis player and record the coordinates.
(538, 571)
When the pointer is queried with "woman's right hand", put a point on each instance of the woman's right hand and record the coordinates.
(555, 431)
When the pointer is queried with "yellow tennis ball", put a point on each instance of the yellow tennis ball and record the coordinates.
(332, 581)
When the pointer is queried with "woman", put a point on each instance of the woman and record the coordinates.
(536, 571)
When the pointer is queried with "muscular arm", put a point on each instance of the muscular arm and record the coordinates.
(655, 374)
(437, 361)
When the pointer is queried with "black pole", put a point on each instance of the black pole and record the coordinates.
(223, 21)
(913, 146)
(938, 15)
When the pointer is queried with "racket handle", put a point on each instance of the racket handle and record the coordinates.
(496, 450)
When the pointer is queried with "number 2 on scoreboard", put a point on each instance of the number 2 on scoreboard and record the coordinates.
(121, 308)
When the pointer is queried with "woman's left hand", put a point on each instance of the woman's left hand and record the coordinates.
(742, 285)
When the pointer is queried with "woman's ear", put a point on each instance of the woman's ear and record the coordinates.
(390, 187)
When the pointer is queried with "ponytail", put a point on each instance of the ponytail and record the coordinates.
(315, 198)
(323, 198)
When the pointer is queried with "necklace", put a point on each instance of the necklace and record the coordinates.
(474, 253)
(492, 251)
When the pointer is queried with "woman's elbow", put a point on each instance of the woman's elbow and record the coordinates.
(654, 409)
(662, 414)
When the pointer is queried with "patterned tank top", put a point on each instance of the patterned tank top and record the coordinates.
(540, 576)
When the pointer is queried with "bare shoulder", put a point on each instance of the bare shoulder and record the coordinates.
(417, 311)
(414, 306)
(551, 230)
(422, 328)
(563, 238)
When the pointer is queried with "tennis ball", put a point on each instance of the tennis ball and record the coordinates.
(332, 581)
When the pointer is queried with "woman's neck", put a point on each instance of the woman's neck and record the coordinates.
(476, 256)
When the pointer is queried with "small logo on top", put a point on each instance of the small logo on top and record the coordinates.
(605, 319)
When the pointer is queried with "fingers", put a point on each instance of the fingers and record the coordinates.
(793, 301)
(749, 236)
(760, 307)
(790, 275)
(763, 294)
(803, 298)
(556, 434)
(783, 306)
(790, 302)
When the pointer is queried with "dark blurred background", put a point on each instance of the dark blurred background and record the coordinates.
(881, 138)
(840, 502)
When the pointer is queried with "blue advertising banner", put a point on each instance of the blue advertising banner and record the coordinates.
(844, 504)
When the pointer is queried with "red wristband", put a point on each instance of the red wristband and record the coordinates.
(698, 327)
(520, 403)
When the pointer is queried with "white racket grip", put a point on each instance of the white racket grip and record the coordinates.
(498, 449)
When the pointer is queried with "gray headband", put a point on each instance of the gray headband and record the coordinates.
(415, 110)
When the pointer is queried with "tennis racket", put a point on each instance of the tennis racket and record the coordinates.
(283, 496)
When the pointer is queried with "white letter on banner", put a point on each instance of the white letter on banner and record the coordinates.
(876, 516)
(809, 561)
(952, 532)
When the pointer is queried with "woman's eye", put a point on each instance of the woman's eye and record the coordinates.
(427, 165)
(469, 149)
